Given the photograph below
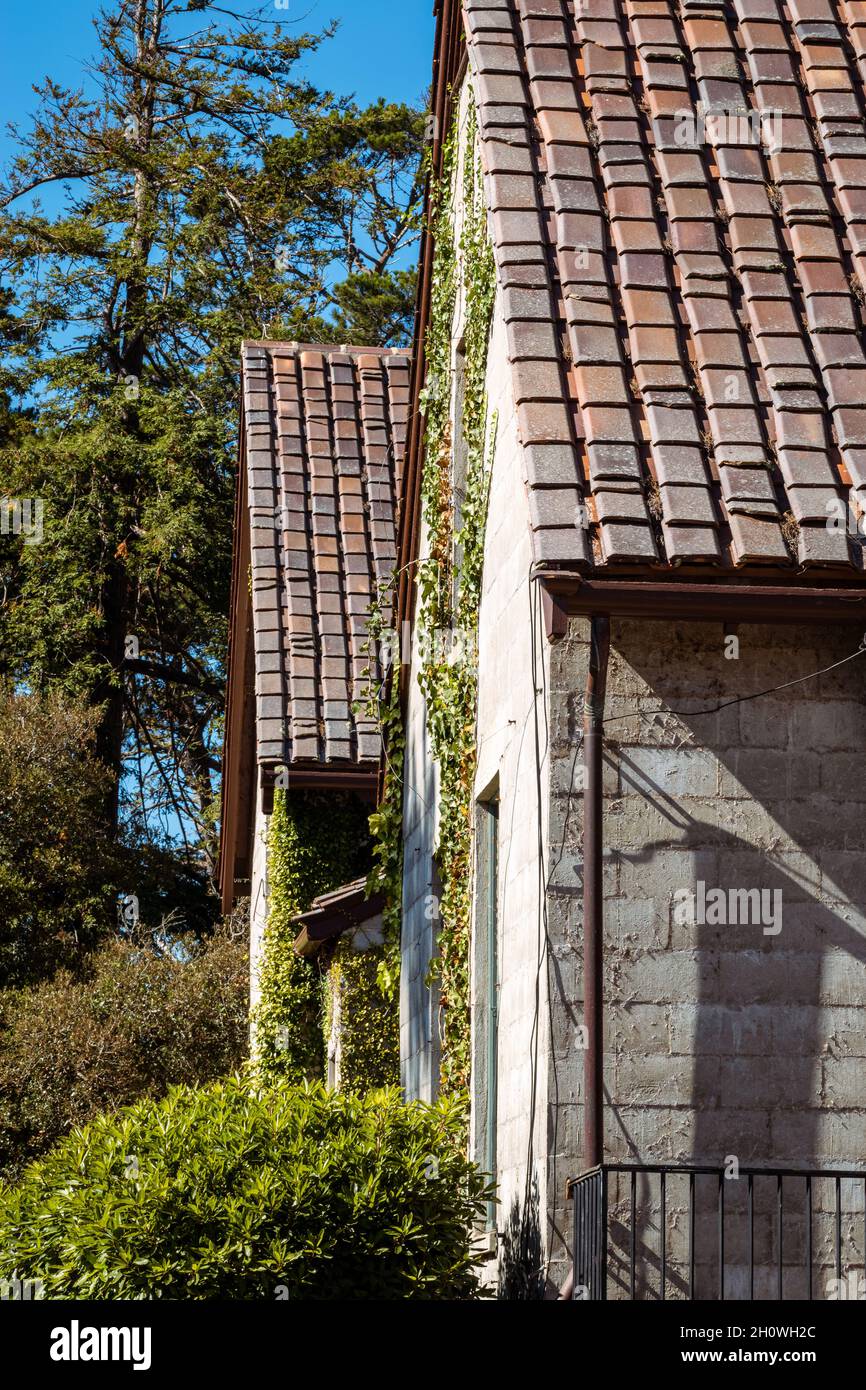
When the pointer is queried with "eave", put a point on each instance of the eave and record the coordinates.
(684, 600)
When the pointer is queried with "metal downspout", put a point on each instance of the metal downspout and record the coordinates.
(492, 999)
(593, 893)
(593, 907)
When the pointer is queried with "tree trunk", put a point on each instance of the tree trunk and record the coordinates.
(109, 691)
(131, 346)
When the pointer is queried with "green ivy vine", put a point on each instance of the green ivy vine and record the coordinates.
(386, 822)
(450, 576)
(316, 842)
(448, 676)
(369, 1023)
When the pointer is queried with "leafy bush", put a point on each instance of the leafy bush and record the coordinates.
(133, 1024)
(59, 871)
(239, 1192)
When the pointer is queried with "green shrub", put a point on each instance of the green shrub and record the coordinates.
(59, 872)
(237, 1192)
(131, 1025)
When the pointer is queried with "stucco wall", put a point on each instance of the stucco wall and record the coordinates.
(512, 749)
(420, 1024)
(507, 751)
(512, 742)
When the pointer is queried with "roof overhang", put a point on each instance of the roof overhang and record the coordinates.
(568, 595)
(332, 914)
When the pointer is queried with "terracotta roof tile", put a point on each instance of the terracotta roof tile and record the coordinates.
(325, 436)
(714, 340)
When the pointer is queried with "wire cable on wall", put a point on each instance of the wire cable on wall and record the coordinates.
(740, 699)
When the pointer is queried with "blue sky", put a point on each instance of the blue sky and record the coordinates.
(384, 48)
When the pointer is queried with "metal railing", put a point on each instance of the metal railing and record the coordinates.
(673, 1231)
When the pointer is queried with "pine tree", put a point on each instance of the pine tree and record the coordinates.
(208, 192)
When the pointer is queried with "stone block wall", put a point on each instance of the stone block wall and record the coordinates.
(730, 1037)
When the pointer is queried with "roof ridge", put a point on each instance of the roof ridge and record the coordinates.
(294, 346)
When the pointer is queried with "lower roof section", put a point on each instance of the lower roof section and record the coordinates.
(331, 914)
(323, 438)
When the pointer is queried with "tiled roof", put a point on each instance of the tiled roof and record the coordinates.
(678, 197)
(324, 435)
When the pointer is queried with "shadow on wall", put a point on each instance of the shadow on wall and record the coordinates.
(766, 993)
(775, 992)
(521, 1266)
(773, 995)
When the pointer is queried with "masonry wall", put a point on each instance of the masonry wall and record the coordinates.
(722, 1040)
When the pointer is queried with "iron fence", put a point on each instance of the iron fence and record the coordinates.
(666, 1231)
